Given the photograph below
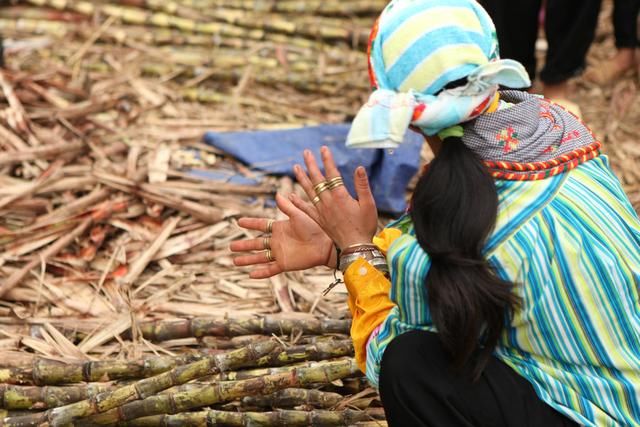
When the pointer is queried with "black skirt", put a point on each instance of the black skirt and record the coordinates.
(418, 388)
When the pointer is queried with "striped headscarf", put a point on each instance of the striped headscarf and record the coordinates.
(417, 48)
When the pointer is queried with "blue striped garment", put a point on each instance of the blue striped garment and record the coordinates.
(571, 244)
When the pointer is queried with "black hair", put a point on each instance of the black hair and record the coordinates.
(454, 209)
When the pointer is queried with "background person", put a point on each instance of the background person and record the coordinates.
(625, 26)
(569, 26)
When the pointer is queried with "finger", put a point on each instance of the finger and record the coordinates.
(332, 171)
(247, 245)
(264, 273)
(305, 207)
(316, 176)
(363, 189)
(285, 205)
(254, 259)
(329, 163)
(304, 181)
(257, 224)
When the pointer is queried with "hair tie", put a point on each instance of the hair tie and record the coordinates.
(453, 131)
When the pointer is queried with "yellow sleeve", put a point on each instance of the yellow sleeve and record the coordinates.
(369, 301)
(385, 238)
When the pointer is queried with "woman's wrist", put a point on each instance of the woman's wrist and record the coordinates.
(354, 242)
(369, 253)
(334, 257)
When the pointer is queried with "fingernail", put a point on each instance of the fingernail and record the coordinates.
(361, 172)
(307, 153)
(324, 149)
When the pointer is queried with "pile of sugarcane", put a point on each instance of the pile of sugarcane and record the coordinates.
(115, 217)
(219, 46)
(312, 381)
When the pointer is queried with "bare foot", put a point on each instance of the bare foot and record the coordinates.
(607, 72)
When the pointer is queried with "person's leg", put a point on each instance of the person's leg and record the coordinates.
(570, 27)
(418, 389)
(517, 26)
(625, 24)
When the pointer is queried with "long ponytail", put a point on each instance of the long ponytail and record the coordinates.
(454, 210)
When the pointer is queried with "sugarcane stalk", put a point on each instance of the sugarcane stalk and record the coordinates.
(317, 351)
(345, 417)
(259, 372)
(16, 375)
(17, 12)
(142, 389)
(292, 397)
(35, 26)
(132, 15)
(316, 27)
(164, 330)
(31, 397)
(4, 413)
(197, 397)
(21, 397)
(175, 37)
(321, 7)
(52, 372)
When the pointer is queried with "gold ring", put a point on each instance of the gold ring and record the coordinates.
(323, 186)
(315, 200)
(270, 226)
(335, 182)
(266, 241)
(269, 255)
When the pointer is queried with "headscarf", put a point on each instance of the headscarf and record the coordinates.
(416, 49)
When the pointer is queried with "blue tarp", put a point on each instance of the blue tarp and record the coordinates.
(275, 152)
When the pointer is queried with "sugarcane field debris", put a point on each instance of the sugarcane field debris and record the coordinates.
(119, 301)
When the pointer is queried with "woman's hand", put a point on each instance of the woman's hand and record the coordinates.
(296, 244)
(345, 220)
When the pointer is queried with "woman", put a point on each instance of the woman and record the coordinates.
(507, 295)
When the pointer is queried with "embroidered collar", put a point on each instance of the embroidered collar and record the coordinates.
(532, 139)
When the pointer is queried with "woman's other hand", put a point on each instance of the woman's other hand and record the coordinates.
(347, 221)
(296, 244)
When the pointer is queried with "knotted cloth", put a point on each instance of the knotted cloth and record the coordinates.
(416, 49)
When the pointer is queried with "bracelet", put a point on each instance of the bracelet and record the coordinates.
(358, 245)
(360, 248)
(373, 256)
(379, 263)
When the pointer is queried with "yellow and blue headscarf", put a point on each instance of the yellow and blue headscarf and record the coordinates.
(417, 48)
